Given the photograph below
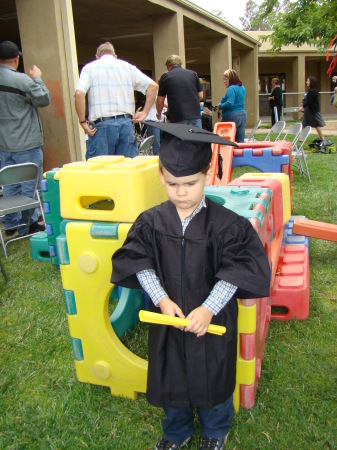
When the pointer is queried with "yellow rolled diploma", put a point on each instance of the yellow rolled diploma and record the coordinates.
(163, 319)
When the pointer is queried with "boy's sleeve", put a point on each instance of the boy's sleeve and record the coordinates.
(151, 285)
(244, 262)
(135, 255)
(220, 295)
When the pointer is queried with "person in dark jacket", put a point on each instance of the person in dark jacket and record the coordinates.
(275, 100)
(311, 114)
(193, 257)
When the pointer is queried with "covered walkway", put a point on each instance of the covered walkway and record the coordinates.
(60, 36)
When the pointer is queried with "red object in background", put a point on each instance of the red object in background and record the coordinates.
(315, 229)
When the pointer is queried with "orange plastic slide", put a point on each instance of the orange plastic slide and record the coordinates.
(222, 165)
(312, 228)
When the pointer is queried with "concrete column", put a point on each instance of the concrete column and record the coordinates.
(220, 60)
(324, 86)
(48, 40)
(168, 39)
(299, 85)
(250, 78)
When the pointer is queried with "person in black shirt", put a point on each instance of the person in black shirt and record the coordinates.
(275, 100)
(310, 108)
(183, 92)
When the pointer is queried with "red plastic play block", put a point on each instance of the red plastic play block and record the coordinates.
(256, 151)
(315, 229)
(279, 147)
(291, 288)
(238, 152)
(267, 182)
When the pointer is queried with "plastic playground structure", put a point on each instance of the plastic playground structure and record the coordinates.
(89, 208)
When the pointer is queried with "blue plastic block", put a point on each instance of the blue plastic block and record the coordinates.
(46, 207)
(44, 185)
(52, 250)
(264, 163)
(290, 238)
(49, 229)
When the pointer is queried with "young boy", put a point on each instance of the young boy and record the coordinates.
(191, 255)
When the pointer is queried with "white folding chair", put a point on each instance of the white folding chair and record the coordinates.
(298, 154)
(276, 129)
(19, 174)
(250, 137)
(294, 132)
(145, 147)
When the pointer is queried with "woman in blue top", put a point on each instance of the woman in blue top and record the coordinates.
(232, 105)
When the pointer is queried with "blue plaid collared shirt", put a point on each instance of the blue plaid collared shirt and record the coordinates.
(110, 84)
(220, 295)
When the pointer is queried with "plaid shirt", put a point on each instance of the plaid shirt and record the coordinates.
(220, 295)
(110, 84)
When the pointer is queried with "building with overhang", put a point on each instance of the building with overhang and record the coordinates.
(292, 65)
(59, 36)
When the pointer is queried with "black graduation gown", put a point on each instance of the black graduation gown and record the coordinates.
(218, 244)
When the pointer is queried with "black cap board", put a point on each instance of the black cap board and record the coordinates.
(186, 150)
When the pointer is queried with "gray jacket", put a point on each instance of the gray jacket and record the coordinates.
(20, 95)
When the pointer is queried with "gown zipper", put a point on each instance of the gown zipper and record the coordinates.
(183, 286)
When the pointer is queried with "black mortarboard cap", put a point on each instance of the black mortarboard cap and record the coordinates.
(186, 150)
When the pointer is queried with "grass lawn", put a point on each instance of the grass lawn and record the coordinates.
(43, 406)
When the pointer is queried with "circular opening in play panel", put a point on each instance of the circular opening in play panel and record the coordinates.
(124, 307)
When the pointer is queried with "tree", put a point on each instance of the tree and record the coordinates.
(251, 20)
(220, 14)
(310, 22)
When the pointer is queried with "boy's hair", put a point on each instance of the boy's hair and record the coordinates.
(203, 171)
(276, 81)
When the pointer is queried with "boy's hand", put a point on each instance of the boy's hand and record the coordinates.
(199, 318)
(168, 307)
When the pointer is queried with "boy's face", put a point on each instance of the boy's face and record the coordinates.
(184, 192)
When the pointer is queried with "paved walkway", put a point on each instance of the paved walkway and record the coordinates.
(329, 130)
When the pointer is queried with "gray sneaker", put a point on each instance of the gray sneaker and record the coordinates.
(211, 443)
(164, 444)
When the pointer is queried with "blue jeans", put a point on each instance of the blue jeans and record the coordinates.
(113, 137)
(194, 122)
(35, 156)
(152, 131)
(215, 422)
(240, 118)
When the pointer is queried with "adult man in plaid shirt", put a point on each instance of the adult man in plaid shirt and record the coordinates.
(110, 84)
